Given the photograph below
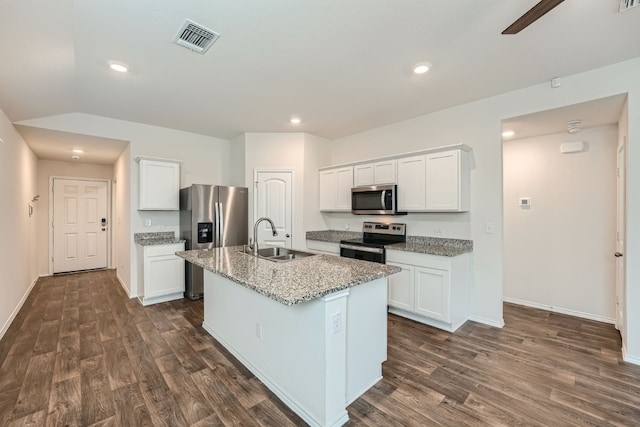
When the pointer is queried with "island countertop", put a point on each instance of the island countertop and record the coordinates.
(291, 282)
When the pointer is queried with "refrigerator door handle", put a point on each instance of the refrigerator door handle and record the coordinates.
(216, 225)
(220, 224)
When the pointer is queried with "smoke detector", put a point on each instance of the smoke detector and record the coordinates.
(195, 37)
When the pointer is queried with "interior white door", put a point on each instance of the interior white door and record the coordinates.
(80, 219)
(620, 234)
(273, 198)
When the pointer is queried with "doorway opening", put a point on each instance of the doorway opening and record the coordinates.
(561, 211)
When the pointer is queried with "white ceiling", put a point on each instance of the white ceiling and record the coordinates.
(342, 66)
(600, 112)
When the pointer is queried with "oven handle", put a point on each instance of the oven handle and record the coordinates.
(362, 248)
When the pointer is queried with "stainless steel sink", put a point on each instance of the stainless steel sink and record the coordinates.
(277, 254)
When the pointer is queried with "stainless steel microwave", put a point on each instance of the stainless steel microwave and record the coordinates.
(375, 200)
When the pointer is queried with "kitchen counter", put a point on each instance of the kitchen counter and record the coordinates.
(156, 238)
(288, 282)
(418, 244)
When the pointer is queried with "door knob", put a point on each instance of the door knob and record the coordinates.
(288, 235)
(617, 254)
(103, 229)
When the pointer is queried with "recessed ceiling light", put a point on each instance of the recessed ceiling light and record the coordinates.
(77, 151)
(295, 120)
(508, 133)
(421, 68)
(119, 67)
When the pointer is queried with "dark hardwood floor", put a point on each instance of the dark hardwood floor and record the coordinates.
(81, 353)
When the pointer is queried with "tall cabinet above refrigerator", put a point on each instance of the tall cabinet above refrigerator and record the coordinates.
(211, 216)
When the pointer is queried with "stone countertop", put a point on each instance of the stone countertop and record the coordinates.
(291, 282)
(419, 244)
(157, 238)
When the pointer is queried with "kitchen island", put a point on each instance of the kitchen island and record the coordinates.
(313, 330)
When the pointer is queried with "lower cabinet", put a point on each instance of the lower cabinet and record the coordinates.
(430, 289)
(160, 273)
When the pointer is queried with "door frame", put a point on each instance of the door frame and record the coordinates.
(621, 219)
(254, 199)
(109, 217)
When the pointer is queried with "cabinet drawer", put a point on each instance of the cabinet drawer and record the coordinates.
(170, 249)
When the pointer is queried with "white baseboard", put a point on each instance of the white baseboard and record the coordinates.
(561, 310)
(630, 359)
(126, 290)
(490, 322)
(11, 318)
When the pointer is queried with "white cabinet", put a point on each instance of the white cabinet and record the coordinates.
(430, 289)
(411, 184)
(335, 189)
(375, 173)
(160, 273)
(434, 182)
(159, 184)
(447, 181)
(328, 248)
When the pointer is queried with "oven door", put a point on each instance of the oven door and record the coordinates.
(364, 253)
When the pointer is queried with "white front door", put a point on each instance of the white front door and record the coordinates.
(79, 225)
(620, 233)
(273, 198)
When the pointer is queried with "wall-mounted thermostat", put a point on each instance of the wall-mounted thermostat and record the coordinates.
(524, 202)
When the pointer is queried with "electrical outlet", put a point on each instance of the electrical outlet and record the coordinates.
(437, 231)
(336, 322)
(489, 228)
(259, 331)
(147, 222)
(163, 227)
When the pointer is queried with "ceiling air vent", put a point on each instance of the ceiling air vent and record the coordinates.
(628, 4)
(195, 37)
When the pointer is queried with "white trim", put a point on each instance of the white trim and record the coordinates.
(561, 310)
(157, 159)
(15, 312)
(629, 359)
(126, 290)
(110, 216)
(490, 322)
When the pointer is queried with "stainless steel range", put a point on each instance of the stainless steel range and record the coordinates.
(375, 236)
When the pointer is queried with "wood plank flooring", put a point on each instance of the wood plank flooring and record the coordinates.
(80, 353)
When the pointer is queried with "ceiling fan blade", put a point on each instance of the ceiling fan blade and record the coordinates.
(531, 16)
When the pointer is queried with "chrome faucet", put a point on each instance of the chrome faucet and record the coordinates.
(255, 232)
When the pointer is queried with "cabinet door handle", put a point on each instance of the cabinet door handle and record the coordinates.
(288, 235)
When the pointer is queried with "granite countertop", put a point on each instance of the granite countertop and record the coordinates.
(157, 238)
(419, 244)
(291, 282)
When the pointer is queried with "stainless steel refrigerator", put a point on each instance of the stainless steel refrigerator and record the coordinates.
(211, 216)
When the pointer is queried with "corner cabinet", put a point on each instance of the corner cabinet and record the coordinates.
(335, 189)
(430, 289)
(159, 184)
(434, 182)
(160, 273)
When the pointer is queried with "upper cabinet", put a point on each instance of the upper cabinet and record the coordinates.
(335, 189)
(375, 173)
(159, 184)
(434, 182)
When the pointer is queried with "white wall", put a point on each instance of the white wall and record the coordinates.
(237, 152)
(121, 198)
(205, 160)
(18, 247)
(478, 125)
(50, 168)
(558, 254)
